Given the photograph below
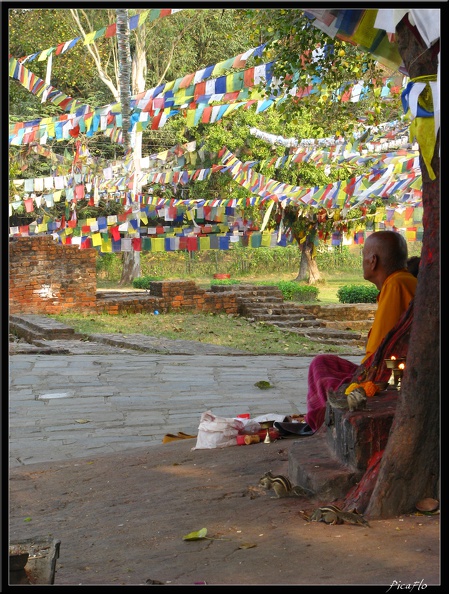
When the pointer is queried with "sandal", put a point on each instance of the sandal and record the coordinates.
(170, 437)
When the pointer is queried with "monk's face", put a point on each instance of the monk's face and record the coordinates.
(369, 260)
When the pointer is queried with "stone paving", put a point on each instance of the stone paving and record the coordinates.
(68, 406)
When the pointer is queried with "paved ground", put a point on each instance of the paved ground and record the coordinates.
(88, 466)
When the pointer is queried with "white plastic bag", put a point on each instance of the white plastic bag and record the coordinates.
(217, 432)
(250, 427)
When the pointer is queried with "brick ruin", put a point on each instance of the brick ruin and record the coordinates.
(46, 277)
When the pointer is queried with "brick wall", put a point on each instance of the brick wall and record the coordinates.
(46, 277)
(166, 296)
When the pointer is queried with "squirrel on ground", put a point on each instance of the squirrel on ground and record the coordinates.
(282, 486)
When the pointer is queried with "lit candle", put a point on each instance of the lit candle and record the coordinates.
(393, 358)
(401, 366)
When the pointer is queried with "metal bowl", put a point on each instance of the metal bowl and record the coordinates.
(266, 424)
(394, 363)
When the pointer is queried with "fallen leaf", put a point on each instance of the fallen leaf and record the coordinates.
(198, 535)
(247, 545)
(82, 420)
(263, 385)
(27, 519)
(427, 505)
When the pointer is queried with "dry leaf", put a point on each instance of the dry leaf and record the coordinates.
(247, 545)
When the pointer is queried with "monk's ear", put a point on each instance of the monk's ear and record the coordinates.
(374, 261)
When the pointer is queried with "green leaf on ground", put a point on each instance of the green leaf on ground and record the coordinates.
(198, 535)
(263, 385)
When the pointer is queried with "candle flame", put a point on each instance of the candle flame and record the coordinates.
(393, 357)
(401, 366)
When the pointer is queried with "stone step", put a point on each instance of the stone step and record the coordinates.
(361, 326)
(323, 334)
(34, 327)
(336, 457)
(287, 321)
(266, 301)
(121, 295)
(342, 311)
(250, 291)
(311, 465)
(274, 308)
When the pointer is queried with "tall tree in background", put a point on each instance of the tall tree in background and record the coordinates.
(182, 42)
(131, 259)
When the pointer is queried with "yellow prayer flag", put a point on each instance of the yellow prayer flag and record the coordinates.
(204, 243)
(190, 120)
(43, 56)
(398, 219)
(157, 244)
(143, 217)
(106, 245)
(57, 195)
(89, 38)
(379, 215)
(410, 235)
(42, 228)
(266, 239)
(143, 17)
(96, 239)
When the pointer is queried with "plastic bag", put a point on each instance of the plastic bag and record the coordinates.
(217, 432)
(250, 427)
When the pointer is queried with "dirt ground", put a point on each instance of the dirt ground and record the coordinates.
(121, 521)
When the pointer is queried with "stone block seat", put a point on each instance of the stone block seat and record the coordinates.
(336, 457)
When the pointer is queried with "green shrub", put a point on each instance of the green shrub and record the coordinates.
(143, 282)
(224, 281)
(357, 294)
(292, 290)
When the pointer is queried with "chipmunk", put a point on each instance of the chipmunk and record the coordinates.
(282, 486)
(355, 400)
(331, 514)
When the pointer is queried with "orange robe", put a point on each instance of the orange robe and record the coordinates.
(396, 293)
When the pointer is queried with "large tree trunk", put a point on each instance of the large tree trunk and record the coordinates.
(131, 267)
(409, 470)
(308, 268)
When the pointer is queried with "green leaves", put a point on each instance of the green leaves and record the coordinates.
(198, 535)
(263, 385)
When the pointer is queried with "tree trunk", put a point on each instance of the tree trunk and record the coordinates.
(131, 267)
(124, 55)
(409, 469)
(135, 77)
(308, 268)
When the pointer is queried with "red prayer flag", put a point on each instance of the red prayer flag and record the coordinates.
(111, 30)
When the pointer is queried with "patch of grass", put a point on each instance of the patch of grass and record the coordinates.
(209, 328)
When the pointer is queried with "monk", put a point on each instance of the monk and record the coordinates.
(385, 265)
